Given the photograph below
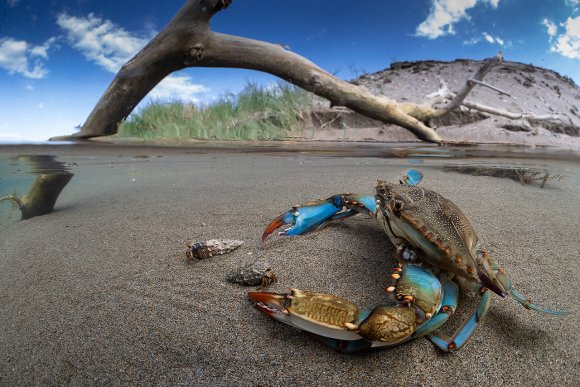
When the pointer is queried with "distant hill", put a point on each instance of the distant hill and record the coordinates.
(532, 90)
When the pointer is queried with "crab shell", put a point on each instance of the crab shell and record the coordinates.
(427, 221)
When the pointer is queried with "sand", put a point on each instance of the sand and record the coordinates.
(100, 292)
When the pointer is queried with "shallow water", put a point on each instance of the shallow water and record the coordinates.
(99, 291)
(20, 165)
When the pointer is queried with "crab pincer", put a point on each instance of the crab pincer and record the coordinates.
(423, 304)
(317, 214)
(302, 218)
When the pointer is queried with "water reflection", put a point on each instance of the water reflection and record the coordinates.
(522, 174)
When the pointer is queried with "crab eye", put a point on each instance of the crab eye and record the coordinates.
(398, 205)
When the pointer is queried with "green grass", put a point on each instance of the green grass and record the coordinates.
(257, 113)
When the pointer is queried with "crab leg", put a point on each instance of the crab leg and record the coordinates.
(461, 335)
(448, 306)
(318, 214)
(497, 275)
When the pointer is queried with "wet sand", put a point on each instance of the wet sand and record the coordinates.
(100, 292)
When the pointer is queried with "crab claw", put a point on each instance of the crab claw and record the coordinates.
(281, 220)
(317, 214)
(318, 313)
(269, 303)
(306, 217)
(340, 324)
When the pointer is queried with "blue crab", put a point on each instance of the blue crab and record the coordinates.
(437, 252)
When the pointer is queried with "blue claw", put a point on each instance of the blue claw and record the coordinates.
(315, 215)
(303, 218)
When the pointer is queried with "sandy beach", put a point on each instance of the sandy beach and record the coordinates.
(99, 292)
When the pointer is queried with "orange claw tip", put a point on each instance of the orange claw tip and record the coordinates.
(273, 226)
(273, 299)
(258, 296)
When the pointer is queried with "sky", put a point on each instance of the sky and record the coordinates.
(57, 57)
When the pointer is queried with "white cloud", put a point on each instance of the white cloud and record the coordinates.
(488, 37)
(42, 51)
(568, 42)
(100, 41)
(572, 3)
(444, 14)
(493, 39)
(21, 57)
(178, 87)
(552, 28)
(13, 3)
(110, 46)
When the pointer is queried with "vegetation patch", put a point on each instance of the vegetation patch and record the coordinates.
(256, 113)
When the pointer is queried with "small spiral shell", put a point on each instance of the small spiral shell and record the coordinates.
(207, 249)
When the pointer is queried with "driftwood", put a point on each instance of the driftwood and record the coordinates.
(187, 41)
(51, 178)
(445, 95)
(41, 198)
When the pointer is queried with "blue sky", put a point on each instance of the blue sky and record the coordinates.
(58, 56)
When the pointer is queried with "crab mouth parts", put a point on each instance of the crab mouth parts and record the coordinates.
(386, 219)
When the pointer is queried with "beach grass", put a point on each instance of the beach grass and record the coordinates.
(256, 113)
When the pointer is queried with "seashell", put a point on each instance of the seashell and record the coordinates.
(252, 274)
(207, 249)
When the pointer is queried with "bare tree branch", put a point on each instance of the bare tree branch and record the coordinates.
(187, 41)
(444, 93)
(466, 89)
(489, 86)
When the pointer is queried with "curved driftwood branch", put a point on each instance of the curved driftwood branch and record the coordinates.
(187, 41)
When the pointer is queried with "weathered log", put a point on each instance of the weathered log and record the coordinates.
(187, 41)
(41, 198)
(456, 100)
